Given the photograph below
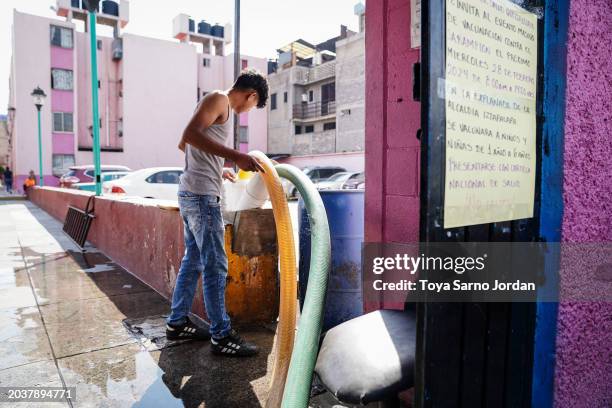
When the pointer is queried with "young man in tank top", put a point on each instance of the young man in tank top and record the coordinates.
(199, 197)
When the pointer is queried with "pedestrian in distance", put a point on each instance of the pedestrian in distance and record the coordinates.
(7, 176)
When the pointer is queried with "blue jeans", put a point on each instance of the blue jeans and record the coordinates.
(204, 255)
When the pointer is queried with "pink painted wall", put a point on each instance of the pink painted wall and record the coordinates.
(159, 96)
(63, 143)
(160, 80)
(109, 102)
(584, 340)
(392, 120)
(123, 224)
(256, 119)
(61, 57)
(213, 76)
(244, 119)
(62, 101)
(31, 67)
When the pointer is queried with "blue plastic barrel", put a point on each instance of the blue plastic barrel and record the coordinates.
(217, 30)
(110, 7)
(345, 213)
(203, 27)
(191, 25)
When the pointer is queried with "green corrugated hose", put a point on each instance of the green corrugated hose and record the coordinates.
(304, 356)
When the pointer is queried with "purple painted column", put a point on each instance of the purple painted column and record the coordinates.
(392, 120)
(584, 340)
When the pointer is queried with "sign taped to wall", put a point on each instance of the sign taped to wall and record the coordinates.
(490, 103)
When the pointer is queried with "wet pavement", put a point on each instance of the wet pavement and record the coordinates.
(76, 319)
(70, 319)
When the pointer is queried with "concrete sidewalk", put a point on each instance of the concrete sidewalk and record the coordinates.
(76, 319)
(73, 319)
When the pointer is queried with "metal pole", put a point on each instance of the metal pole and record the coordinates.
(94, 100)
(40, 163)
(236, 67)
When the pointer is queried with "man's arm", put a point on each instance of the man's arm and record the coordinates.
(213, 107)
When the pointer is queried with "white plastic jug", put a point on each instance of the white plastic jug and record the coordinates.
(244, 194)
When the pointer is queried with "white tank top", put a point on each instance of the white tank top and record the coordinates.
(203, 171)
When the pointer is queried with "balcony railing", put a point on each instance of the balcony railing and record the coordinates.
(305, 76)
(313, 109)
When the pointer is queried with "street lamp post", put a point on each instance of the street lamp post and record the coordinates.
(92, 6)
(38, 95)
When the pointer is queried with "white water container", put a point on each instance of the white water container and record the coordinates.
(244, 194)
(255, 194)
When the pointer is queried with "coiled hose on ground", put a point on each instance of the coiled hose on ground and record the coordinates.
(288, 282)
(304, 356)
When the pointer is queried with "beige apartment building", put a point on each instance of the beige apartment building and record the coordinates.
(317, 100)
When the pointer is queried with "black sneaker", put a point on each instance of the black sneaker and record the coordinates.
(233, 345)
(185, 331)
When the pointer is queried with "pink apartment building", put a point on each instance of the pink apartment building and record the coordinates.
(148, 89)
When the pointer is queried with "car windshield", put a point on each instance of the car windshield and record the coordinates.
(69, 173)
(338, 176)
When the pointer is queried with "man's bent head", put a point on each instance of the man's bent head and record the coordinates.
(250, 90)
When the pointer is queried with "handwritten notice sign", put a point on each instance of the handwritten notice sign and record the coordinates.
(415, 23)
(490, 100)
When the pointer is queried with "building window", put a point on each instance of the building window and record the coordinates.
(62, 163)
(61, 79)
(310, 96)
(61, 36)
(62, 121)
(298, 130)
(329, 126)
(244, 134)
(206, 62)
(273, 101)
(308, 128)
(285, 97)
(328, 92)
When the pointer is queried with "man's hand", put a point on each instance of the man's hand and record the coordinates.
(248, 163)
(228, 174)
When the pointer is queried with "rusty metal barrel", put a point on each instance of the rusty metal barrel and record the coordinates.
(345, 213)
(252, 283)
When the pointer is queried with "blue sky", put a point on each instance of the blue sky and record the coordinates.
(266, 25)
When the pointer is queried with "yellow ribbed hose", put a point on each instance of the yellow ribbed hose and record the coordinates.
(285, 332)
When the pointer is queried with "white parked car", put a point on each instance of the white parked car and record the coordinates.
(155, 182)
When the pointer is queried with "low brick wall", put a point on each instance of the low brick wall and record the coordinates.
(147, 241)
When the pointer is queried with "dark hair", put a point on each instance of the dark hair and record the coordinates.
(251, 79)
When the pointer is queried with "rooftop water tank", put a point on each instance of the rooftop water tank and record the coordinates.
(191, 25)
(203, 27)
(110, 7)
(217, 30)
